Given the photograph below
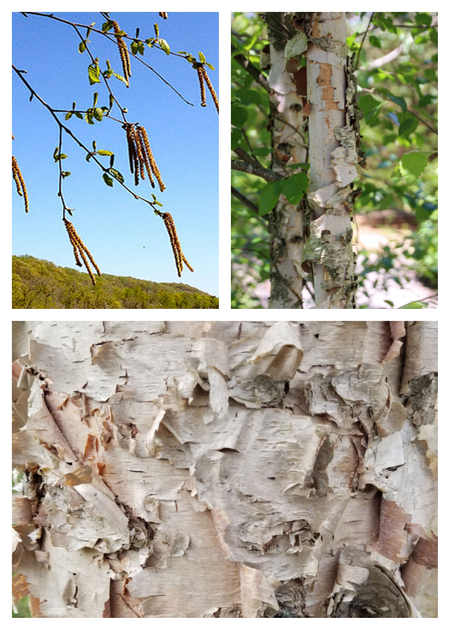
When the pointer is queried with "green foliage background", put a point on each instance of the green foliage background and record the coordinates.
(399, 101)
(41, 284)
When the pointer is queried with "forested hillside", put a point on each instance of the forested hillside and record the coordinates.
(41, 284)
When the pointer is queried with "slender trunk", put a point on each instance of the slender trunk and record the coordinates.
(224, 469)
(333, 159)
(287, 94)
(313, 106)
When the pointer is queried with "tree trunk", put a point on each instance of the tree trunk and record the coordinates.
(313, 106)
(225, 469)
(286, 91)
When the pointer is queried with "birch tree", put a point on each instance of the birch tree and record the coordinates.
(309, 163)
(225, 469)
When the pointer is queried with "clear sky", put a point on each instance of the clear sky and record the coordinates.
(123, 234)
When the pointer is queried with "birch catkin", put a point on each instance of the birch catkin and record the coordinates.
(20, 183)
(175, 243)
(123, 52)
(140, 155)
(80, 249)
(210, 87)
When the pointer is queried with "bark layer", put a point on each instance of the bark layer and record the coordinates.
(224, 469)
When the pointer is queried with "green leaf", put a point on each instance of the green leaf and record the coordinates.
(398, 100)
(238, 116)
(120, 77)
(294, 187)
(82, 47)
(269, 197)
(391, 304)
(262, 151)
(134, 47)
(93, 73)
(209, 65)
(249, 96)
(423, 18)
(375, 41)
(164, 45)
(201, 56)
(434, 36)
(415, 305)
(107, 179)
(117, 175)
(98, 114)
(106, 26)
(68, 115)
(412, 165)
(408, 126)
(65, 174)
(104, 152)
(236, 138)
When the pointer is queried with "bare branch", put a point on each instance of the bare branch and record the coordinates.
(259, 171)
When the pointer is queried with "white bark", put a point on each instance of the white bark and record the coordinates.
(333, 158)
(224, 469)
(289, 148)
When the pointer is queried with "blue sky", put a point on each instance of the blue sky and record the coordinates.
(123, 234)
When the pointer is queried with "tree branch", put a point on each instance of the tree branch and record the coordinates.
(259, 171)
(385, 59)
(362, 42)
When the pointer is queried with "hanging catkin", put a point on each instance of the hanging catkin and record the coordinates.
(20, 183)
(80, 249)
(123, 52)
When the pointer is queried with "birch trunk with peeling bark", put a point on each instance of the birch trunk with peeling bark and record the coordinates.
(316, 108)
(333, 159)
(289, 147)
(225, 469)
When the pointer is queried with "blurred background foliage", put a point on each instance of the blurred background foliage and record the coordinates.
(397, 60)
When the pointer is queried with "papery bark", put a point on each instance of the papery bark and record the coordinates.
(225, 469)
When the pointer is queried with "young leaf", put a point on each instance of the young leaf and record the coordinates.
(415, 305)
(164, 45)
(375, 41)
(156, 27)
(201, 56)
(104, 152)
(407, 127)
(107, 179)
(413, 164)
(93, 73)
(269, 197)
(117, 175)
(294, 187)
(239, 116)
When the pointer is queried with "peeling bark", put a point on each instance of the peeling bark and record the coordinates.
(225, 469)
(287, 92)
(315, 119)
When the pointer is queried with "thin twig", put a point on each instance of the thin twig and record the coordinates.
(248, 204)
(362, 42)
(113, 40)
(80, 144)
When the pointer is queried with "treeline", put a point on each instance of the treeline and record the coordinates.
(41, 284)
